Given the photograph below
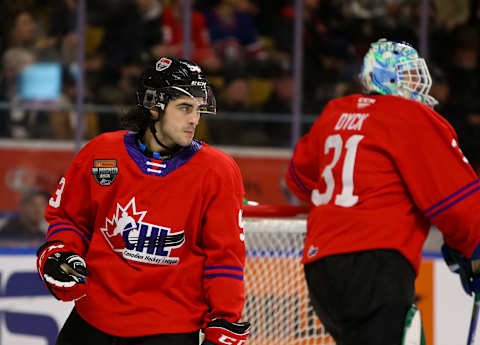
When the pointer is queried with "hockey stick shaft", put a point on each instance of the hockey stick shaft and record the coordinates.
(474, 320)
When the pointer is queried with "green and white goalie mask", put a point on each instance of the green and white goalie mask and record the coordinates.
(395, 68)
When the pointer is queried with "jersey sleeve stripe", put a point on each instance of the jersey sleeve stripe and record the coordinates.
(79, 233)
(216, 275)
(453, 202)
(69, 226)
(297, 180)
(58, 224)
(451, 196)
(223, 268)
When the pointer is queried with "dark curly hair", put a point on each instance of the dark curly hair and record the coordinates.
(136, 119)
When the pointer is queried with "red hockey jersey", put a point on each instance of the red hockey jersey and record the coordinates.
(378, 171)
(162, 240)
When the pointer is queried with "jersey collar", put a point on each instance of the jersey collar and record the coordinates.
(155, 167)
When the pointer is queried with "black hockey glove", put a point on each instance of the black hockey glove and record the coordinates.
(63, 272)
(221, 331)
(467, 269)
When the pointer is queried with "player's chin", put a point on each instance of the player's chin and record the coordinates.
(185, 140)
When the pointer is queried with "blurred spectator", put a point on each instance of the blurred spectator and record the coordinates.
(28, 46)
(201, 48)
(25, 33)
(265, 13)
(451, 14)
(18, 5)
(234, 99)
(17, 121)
(463, 73)
(464, 90)
(329, 56)
(132, 34)
(280, 99)
(63, 122)
(29, 224)
(234, 35)
(365, 9)
(280, 102)
(123, 92)
(64, 15)
(441, 92)
(13, 61)
(133, 31)
(63, 31)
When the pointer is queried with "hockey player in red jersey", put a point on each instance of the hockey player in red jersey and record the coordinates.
(146, 226)
(379, 168)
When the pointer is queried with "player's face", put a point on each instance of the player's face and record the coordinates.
(414, 81)
(177, 125)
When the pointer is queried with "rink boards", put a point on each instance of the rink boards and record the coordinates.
(30, 316)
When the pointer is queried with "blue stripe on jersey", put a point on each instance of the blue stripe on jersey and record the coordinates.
(452, 199)
(79, 233)
(234, 268)
(296, 179)
(216, 275)
(57, 224)
(451, 196)
(454, 202)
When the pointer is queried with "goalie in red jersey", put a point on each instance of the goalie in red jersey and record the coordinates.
(379, 169)
(146, 226)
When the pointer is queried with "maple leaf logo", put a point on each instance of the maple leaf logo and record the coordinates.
(125, 218)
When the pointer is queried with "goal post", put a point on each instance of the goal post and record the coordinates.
(277, 302)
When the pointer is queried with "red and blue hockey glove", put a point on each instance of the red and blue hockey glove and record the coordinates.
(467, 269)
(221, 331)
(63, 272)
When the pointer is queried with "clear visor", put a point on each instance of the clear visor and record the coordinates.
(208, 104)
(203, 93)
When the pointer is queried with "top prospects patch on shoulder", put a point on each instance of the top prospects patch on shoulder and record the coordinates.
(104, 171)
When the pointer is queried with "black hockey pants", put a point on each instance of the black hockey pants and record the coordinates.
(362, 298)
(76, 331)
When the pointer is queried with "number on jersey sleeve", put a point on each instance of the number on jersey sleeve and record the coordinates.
(58, 194)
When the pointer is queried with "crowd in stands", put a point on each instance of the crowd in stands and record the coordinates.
(28, 224)
(246, 49)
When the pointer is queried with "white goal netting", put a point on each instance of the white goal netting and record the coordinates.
(277, 302)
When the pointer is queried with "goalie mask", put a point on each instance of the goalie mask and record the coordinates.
(171, 78)
(395, 68)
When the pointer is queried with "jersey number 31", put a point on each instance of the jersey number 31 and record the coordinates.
(346, 197)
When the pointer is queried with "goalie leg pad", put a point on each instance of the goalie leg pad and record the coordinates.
(413, 329)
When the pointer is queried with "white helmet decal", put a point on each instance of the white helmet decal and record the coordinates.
(163, 64)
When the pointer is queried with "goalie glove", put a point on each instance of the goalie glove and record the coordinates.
(63, 272)
(221, 331)
(467, 269)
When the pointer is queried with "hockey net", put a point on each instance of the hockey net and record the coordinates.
(277, 302)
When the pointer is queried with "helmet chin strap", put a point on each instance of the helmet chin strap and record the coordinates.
(154, 133)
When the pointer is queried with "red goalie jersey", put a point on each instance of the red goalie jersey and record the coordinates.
(382, 169)
(162, 240)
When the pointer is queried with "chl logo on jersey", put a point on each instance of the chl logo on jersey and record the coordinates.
(129, 235)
